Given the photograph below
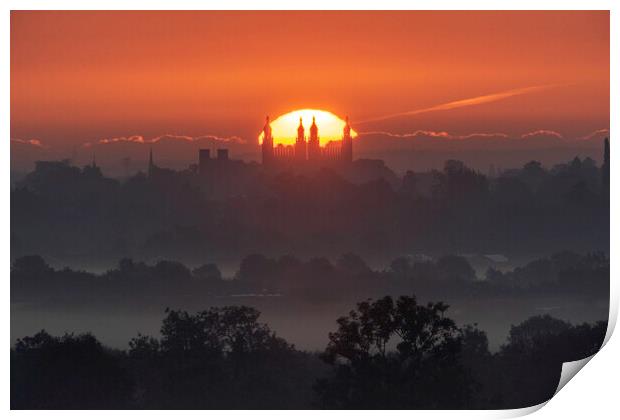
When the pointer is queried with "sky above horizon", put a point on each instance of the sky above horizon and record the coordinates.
(83, 76)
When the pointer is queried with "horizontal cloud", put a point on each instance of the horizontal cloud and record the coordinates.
(542, 134)
(536, 134)
(129, 139)
(165, 137)
(206, 137)
(30, 142)
(434, 134)
(596, 135)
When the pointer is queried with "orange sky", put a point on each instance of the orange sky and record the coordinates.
(82, 76)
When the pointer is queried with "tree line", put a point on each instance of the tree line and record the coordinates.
(78, 214)
(388, 353)
(314, 280)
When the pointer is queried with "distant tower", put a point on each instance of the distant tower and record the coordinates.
(314, 147)
(151, 164)
(204, 157)
(347, 143)
(267, 147)
(92, 170)
(222, 154)
(605, 167)
(300, 143)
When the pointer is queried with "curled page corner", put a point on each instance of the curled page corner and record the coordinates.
(612, 318)
(519, 412)
(569, 370)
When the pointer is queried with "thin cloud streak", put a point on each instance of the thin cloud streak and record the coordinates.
(30, 142)
(434, 134)
(478, 100)
(141, 140)
(603, 132)
(542, 133)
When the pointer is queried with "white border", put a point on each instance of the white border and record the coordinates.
(592, 394)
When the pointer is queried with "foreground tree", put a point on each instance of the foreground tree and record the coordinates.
(388, 354)
(385, 354)
(220, 358)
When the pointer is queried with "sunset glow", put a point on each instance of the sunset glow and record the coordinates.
(284, 127)
(78, 77)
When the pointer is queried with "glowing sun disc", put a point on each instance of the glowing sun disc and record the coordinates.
(284, 128)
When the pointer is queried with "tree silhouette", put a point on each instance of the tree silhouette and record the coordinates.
(68, 372)
(219, 358)
(58, 209)
(385, 354)
(534, 352)
(388, 354)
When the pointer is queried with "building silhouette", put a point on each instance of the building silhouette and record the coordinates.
(307, 149)
(206, 163)
(157, 172)
(605, 167)
(152, 168)
(204, 156)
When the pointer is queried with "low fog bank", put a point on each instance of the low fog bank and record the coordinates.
(302, 299)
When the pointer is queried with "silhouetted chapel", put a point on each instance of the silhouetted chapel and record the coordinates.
(307, 149)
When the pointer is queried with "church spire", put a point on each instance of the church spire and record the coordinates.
(300, 131)
(314, 147)
(301, 149)
(151, 164)
(314, 130)
(346, 153)
(605, 167)
(267, 146)
(347, 129)
(267, 128)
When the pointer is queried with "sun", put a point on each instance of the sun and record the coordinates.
(284, 128)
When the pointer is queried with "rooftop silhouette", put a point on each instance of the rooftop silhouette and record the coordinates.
(307, 148)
